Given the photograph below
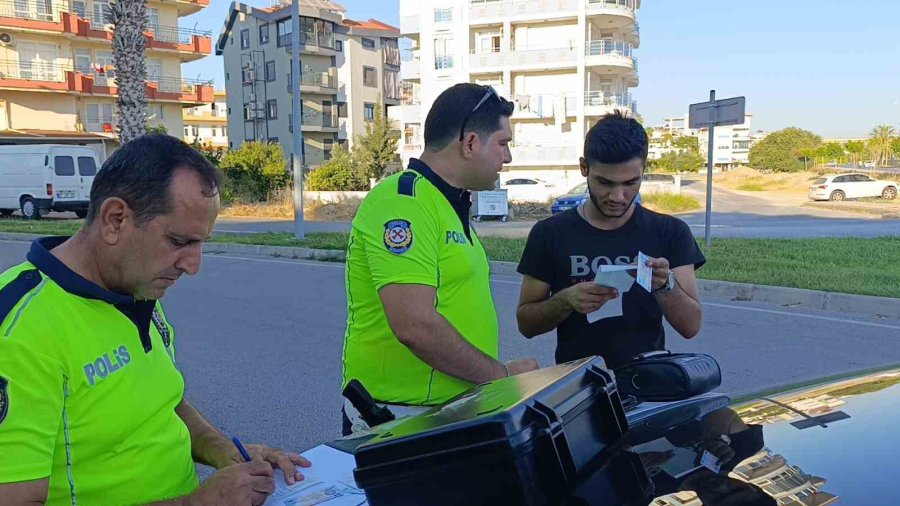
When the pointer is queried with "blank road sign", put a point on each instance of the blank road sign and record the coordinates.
(728, 111)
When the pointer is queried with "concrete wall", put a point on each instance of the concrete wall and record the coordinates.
(47, 111)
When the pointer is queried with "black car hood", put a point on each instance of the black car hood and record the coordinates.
(822, 444)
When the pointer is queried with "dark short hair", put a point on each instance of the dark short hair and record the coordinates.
(454, 105)
(140, 172)
(615, 138)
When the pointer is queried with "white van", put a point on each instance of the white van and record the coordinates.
(42, 177)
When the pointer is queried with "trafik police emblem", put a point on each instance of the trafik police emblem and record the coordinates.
(4, 398)
(398, 236)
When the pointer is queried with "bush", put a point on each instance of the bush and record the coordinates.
(684, 160)
(784, 150)
(253, 172)
(337, 174)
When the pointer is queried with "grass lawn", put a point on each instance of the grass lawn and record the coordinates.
(846, 265)
(669, 203)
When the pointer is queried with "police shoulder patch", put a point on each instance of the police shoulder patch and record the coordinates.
(4, 398)
(398, 236)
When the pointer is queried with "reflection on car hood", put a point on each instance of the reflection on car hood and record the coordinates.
(572, 196)
(834, 441)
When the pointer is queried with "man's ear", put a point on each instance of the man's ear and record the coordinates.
(113, 216)
(582, 164)
(471, 143)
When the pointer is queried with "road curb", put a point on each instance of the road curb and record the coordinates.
(814, 299)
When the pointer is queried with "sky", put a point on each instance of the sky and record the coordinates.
(832, 67)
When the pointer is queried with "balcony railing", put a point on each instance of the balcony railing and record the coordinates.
(443, 61)
(620, 4)
(605, 47)
(103, 124)
(315, 120)
(308, 39)
(321, 79)
(34, 11)
(33, 71)
(177, 85)
(177, 35)
(599, 98)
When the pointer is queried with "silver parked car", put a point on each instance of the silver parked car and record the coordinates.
(851, 186)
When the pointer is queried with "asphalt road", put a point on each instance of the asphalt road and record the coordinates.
(259, 342)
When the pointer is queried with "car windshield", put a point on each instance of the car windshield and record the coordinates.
(821, 180)
(582, 188)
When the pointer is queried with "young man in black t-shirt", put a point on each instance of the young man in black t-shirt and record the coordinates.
(564, 252)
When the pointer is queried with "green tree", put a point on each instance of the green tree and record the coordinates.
(832, 151)
(685, 160)
(254, 171)
(895, 145)
(213, 154)
(377, 148)
(337, 174)
(688, 142)
(880, 143)
(157, 129)
(649, 131)
(667, 139)
(855, 149)
(781, 151)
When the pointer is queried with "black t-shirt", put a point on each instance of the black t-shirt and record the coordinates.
(564, 250)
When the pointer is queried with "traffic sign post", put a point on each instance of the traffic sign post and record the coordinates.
(728, 111)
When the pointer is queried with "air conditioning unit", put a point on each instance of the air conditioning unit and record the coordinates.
(7, 40)
(249, 76)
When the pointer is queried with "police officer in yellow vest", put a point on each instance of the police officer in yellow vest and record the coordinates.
(421, 323)
(92, 405)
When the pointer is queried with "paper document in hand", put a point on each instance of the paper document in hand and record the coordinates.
(329, 480)
(644, 272)
(612, 276)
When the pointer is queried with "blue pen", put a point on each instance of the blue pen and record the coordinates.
(240, 447)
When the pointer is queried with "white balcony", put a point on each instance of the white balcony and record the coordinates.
(409, 26)
(483, 10)
(606, 57)
(611, 13)
(411, 70)
(525, 58)
(598, 103)
(529, 155)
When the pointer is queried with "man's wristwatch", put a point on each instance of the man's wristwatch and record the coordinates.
(669, 284)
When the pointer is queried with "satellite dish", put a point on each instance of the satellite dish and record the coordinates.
(5, 38)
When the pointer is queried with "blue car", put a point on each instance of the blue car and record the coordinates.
(574, 198)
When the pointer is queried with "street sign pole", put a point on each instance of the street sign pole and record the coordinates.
(297, 158)
(709, 169)
(728, 111)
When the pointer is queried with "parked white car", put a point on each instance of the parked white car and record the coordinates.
(851, 186)
(522, 189)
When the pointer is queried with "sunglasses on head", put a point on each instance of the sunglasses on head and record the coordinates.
(487, 94)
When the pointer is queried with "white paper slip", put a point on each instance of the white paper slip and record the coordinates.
(644, 272)
(329, 480)
(612, 276)
(711, 462)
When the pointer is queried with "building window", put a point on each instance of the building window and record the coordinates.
(273, 140)
(272, 109)
(342, 110)
(443, 59)
(369, 111)
(284, 29)
(328, 145)
(443, 15)
(370, 77)
(339, 45)
(227, 76)
(264, 33)
(229, 111)
(187, 131)
(223, 132)
(368, 43)
(270, 71)
(248, 114)
(245, 38)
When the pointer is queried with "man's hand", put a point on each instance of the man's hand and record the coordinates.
(660, 272)
(245, 484)
(522, 365)
(286, 461)
(587, 297)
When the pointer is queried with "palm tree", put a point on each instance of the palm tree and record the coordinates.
(880, 140)
(129, 18)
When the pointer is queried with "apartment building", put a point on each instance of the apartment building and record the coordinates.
(207, 124)
(731, 146)
(565, 63)
(347, 68)
(58, 79)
